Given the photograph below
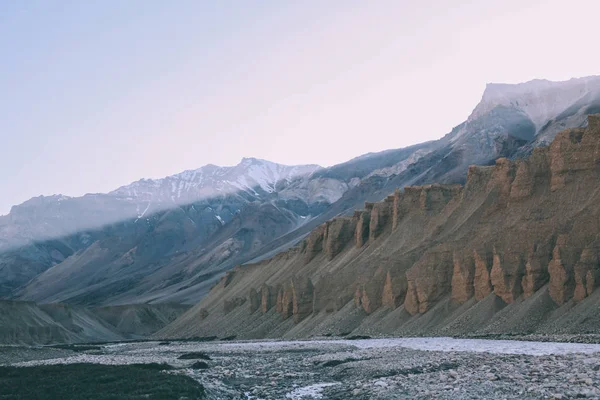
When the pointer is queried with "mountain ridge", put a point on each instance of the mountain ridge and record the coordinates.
(500, 254)
(176, 254)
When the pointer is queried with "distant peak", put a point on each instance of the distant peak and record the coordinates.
(539, 99)
(494, 90)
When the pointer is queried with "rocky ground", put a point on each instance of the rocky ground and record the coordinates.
(418, 368)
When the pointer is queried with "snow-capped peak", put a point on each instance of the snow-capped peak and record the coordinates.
(251, 175)
(540, 99)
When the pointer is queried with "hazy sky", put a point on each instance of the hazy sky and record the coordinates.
(97, 94)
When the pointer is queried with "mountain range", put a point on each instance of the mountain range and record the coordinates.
(516, 249)
(172, 239)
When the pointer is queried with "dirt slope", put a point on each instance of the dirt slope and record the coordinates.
(516, 249)
(28, 323)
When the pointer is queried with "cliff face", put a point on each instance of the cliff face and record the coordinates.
(516, 232)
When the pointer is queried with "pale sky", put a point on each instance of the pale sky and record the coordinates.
(95, 95)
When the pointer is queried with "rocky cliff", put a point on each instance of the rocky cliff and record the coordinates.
(514, 249)
(169, 240)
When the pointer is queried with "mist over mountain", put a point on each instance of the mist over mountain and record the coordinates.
(170, 239)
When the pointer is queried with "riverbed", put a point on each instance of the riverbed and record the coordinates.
(394, 368)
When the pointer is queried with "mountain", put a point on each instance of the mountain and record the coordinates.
(516, 249)
(27, 323)
(161, 252)
(51, 217)
(170, 240)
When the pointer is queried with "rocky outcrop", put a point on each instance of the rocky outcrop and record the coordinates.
(586, 273)
(477, 181)
(362, 227)
(500, 184)
(287, 301)
(507, 274)
(562, 283)
(340, 232)
(230, 305)
(314, 243)
(394, 290)
(428, 280)
(302, 298)
(482, 281)
(369, 295)
(435, 197)
(254, 300)
(463, 277)
(268, 298)
(515, 229)
(536, 269)
(573, 151)
(381, 215)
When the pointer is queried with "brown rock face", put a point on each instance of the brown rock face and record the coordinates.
(371, 294)
(522, 186)
(428, 280)
(279, 303)
(500, 184)
(362, 227)
(562, 284)
(287, 301)
(398, 209)
(254, 300)
(573, 151)
(463, 277)
(536, 269)
(340, 232)
(482, 281)
(302, 292)
(268, 298)
(515, 228)
(435, 197)
(394, 291)
(507, 273)
(477, 180)
(380, 217)
(531, 174)
(230, 305)
(331, 293)
(314, 243)
(586, 273)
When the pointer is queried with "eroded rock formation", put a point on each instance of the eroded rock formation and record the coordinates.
(340, 232)
(463, 277)
(268, 298)
(515, 228)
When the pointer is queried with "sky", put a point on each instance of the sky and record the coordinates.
(95, 95)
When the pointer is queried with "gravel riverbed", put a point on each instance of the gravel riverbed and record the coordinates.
(406, 368)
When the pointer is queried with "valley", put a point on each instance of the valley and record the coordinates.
(409, 368)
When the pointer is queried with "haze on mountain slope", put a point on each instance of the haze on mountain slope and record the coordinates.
(153, 252)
